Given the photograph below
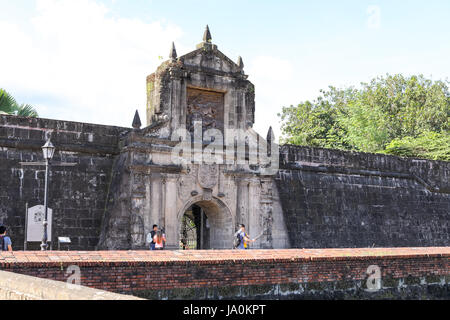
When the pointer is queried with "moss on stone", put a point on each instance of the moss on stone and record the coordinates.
(389, 282)
(344, 285)
(316, 286)
(229, 291)
(147, 294)
(255, 290)
(433, 279)
(183, 293)
(410, 280)
(289, 287)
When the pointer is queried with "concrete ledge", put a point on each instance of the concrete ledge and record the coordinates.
(21, 287)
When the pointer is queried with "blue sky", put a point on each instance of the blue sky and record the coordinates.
(86, 60)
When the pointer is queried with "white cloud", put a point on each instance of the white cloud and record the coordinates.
(85, 64)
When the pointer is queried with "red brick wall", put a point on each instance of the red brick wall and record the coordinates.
(135, 271)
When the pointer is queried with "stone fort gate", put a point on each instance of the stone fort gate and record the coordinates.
(126, 179)
(204, 88)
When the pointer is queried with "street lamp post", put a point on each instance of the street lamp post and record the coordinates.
(48, 150)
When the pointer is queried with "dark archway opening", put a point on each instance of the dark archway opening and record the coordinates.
(194, 231)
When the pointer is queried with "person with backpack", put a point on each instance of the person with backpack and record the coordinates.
(241, 239)
(159, 240)
(151, 235)
(5, 242)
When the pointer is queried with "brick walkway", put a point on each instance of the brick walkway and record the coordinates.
(31, 258)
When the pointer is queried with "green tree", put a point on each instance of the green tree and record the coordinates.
(395, 111)
(316, 123)
(8, 105)
(429, 145)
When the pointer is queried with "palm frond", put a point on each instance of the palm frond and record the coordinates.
(26, 110)
(7, 102)
(9, 105)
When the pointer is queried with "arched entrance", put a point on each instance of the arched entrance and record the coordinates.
(194, 231)
(205, 224)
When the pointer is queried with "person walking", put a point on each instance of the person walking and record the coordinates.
(242, 239)
(5, 242)
(159, 240)
(151, 235)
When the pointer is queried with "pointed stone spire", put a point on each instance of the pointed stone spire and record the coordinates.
(270, 136)
(240, 63)
(207, 41)
(270, 139)
(137, 121)
(207, 35)
(173, 53)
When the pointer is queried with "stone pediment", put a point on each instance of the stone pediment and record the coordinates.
(208, 58)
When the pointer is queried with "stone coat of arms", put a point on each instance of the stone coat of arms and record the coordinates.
(208, 176)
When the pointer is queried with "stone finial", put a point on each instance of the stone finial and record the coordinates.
(173, 53)
(207, 35)
(137, 121)
(207, 44)
(240, 63)
(270, 136)
(270, 139)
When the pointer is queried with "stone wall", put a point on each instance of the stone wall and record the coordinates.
(124, 182)
(408, 273)
(77, 194)
(333, 199)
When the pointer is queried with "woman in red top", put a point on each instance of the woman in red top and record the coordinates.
(159, 240)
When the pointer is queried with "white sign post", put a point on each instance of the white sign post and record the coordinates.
(35, 226)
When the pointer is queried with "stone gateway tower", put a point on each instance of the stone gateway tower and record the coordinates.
(198, 202)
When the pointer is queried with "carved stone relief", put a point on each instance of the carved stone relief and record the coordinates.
(208, 176)
(266, 216)
(205, 106)
(137, 230)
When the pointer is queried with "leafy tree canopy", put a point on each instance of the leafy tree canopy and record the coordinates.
(8, 105)
(404, 116)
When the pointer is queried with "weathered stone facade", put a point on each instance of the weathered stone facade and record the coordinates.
(205, 86)
(126, 179)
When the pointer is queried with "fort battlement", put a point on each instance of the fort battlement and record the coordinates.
(320, 198)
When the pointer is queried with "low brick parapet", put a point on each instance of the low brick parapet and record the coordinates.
(155, 273)
(89, 258)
